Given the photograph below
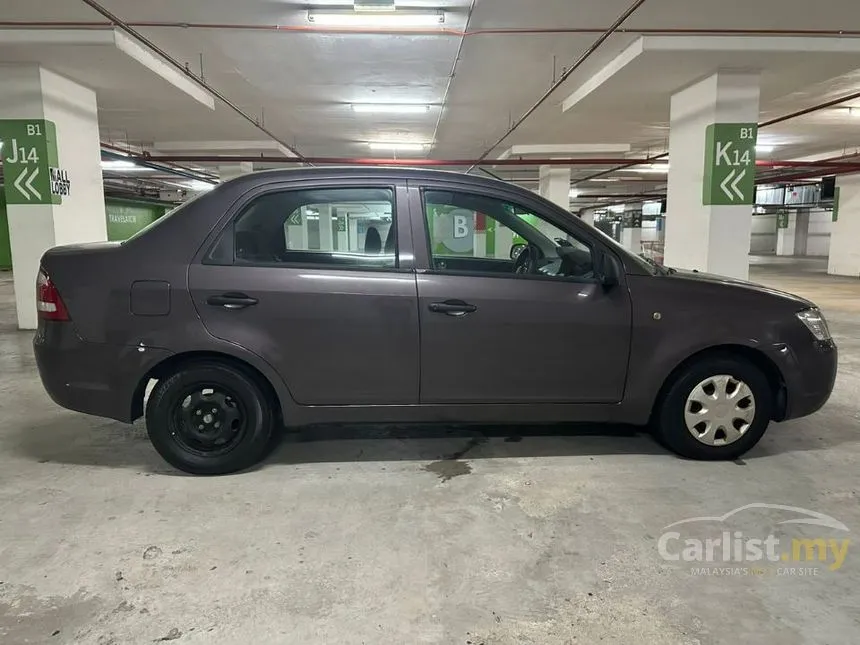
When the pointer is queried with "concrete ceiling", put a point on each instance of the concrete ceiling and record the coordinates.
(301, 84)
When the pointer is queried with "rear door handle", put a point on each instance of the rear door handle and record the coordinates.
(452, 307)
(231, 300)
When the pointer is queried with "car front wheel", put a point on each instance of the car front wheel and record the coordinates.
(716, 408)
(210, 418)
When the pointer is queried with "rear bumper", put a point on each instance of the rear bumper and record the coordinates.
(809, 371)
(93, 378)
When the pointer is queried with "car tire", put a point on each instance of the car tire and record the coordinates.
(210, 418)
(717, 380)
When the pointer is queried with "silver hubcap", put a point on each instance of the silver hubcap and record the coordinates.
(719, 410)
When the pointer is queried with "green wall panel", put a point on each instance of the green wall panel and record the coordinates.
(126, 217)
(5, 247)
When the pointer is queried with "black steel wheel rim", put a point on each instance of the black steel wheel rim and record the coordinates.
(209, 419)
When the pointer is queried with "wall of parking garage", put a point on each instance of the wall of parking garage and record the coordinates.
(124, 218)
(764, 233)
(5, 246)
(127, 216)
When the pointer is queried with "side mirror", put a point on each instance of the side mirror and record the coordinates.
(607, 271)
(516, 249)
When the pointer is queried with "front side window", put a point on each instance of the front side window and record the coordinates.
(477, 234)
(350, 227)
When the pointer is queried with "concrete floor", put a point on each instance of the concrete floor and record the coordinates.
(355, 536)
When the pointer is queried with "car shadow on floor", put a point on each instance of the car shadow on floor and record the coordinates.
(70, 438)
(347, 443)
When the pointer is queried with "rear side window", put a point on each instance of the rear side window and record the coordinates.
(334, 227)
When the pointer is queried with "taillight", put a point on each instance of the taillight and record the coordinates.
(48, 301)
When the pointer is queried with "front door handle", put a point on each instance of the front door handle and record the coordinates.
(231, 300)
(452, 308)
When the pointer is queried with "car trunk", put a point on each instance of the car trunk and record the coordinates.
(82, 273)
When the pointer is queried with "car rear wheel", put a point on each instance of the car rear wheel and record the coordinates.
(210, 419)
(716, 408)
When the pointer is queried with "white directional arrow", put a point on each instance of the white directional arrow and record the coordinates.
(735, 183)
(724, 185)
(29, 184)
(17, 184)
(25, 186)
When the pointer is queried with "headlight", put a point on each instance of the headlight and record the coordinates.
(815, 323)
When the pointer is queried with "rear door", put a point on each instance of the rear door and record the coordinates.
(491, 335)
(317, 279)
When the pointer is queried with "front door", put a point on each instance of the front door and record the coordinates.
(313, 281)
(510, 309)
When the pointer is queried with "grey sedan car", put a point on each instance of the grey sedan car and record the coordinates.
(348, 295)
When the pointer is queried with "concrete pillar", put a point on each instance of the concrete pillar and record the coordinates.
(504, 240)
(791, 239)
(555, 185)
(713, 239)
(631, 230)
(844, 256)
(631, 239)
(342, 235)
(52, 167)
(297, 231)
(801, 232)
(479, 238)
(227, 172)
(326, 234)
(356, 241)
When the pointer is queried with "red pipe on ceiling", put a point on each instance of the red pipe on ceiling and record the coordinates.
(126, 151)
(376, 161)
(584, 56)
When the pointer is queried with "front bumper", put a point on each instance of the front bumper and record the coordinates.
(809, 373)
(94, 378)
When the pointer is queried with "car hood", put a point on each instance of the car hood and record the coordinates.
(711, 278)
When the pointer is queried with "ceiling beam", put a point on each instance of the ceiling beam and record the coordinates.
(107, 38)
(751, 48)
(162, 69)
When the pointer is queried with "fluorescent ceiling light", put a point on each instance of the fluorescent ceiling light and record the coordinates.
(652, 168)
(854, 111)
(617, 208)
(763, 148)
(389, 108)
(574, 193)
(400, 146)
(119, 164)
(604, 179)
(402, 18)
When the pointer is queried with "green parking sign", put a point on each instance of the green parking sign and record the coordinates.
(31, 163)
(729, 164)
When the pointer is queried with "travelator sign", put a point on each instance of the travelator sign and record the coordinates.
(30, 162)
(729, 164)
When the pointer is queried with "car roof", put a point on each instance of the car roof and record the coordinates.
(388, 172)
